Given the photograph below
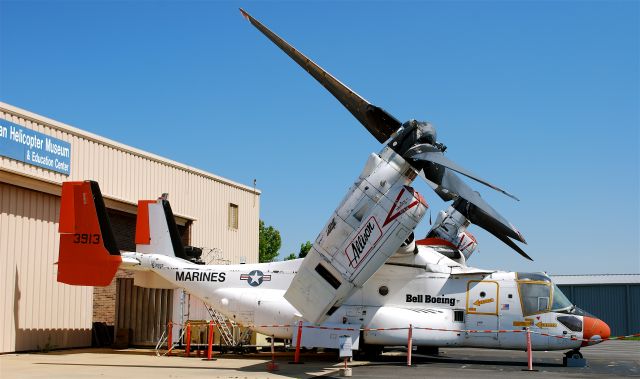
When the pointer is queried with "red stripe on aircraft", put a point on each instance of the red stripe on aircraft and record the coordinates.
(435, 242)
(391, 216)
(143, 233)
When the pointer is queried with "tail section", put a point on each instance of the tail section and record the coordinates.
(89, 255)
(157, 232)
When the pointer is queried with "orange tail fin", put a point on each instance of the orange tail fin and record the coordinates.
(88, 252)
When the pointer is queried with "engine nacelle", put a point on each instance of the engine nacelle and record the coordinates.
(466, 243)
(408, 247)
(378, 214)
(451, 226)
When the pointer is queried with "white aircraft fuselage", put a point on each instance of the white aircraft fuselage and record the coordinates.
(364, 270)
(406, 290)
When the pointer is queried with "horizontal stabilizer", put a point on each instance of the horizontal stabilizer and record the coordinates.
(149, 279)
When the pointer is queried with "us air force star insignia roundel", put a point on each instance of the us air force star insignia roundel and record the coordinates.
(255, 278)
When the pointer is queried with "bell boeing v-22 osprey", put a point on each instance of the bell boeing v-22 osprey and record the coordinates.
(366, 270)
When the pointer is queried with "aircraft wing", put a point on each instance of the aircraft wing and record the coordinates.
(470, 271)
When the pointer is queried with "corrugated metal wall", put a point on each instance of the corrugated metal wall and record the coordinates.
(129, 174)
(634, 309)
(36, 310)
(616, 304)
(29, 244)
(146, 311)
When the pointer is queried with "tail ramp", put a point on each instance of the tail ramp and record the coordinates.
(89, 255)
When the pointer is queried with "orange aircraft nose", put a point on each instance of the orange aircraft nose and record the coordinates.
(595, 330)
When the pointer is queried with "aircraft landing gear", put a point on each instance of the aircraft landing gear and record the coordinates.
(369, 352)
(428, 350)
(574, 354)
(574, 358)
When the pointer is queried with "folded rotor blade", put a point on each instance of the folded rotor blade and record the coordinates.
(444, 194)
(511, 244)
(478, 211)
(377, 121)
(454, 184)
(480, 216)
(439, 158)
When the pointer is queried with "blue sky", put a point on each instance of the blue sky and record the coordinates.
(541, 98)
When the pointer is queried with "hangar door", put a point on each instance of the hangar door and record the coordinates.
(143, 312)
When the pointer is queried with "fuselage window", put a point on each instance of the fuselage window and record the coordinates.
(571, 322)
(560, 301)
(535, 297)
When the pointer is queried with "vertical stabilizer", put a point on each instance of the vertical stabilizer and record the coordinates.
(88, 252)
(156, 229)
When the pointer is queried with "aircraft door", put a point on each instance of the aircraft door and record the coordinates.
(482, 311)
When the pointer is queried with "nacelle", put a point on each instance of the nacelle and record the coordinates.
(408, 247)
(378, 214)
(451, 226)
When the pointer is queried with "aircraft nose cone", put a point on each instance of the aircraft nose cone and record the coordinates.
(595, 330)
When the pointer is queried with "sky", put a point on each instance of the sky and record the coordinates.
(540, 98)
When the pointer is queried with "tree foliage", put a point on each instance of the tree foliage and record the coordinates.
(304, 249)
(269, 244)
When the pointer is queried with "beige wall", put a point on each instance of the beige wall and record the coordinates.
(125, 175)
(36, 309)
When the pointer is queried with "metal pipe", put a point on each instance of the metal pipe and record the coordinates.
(529, 351)
(210, 341)
(187, 351)
(169, 337)
(296, 357)
(409, 344)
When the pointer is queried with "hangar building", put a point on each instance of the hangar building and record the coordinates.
(36, 155)
(614, 298)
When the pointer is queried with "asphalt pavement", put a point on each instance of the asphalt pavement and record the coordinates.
(613, 358)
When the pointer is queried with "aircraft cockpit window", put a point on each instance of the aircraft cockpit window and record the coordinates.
(560, 301)
(535, 276)
(535, 297)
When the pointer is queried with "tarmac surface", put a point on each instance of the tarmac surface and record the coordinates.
(612, 358)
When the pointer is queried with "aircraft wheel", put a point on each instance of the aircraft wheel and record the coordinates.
(369, 352)
(574, 354)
